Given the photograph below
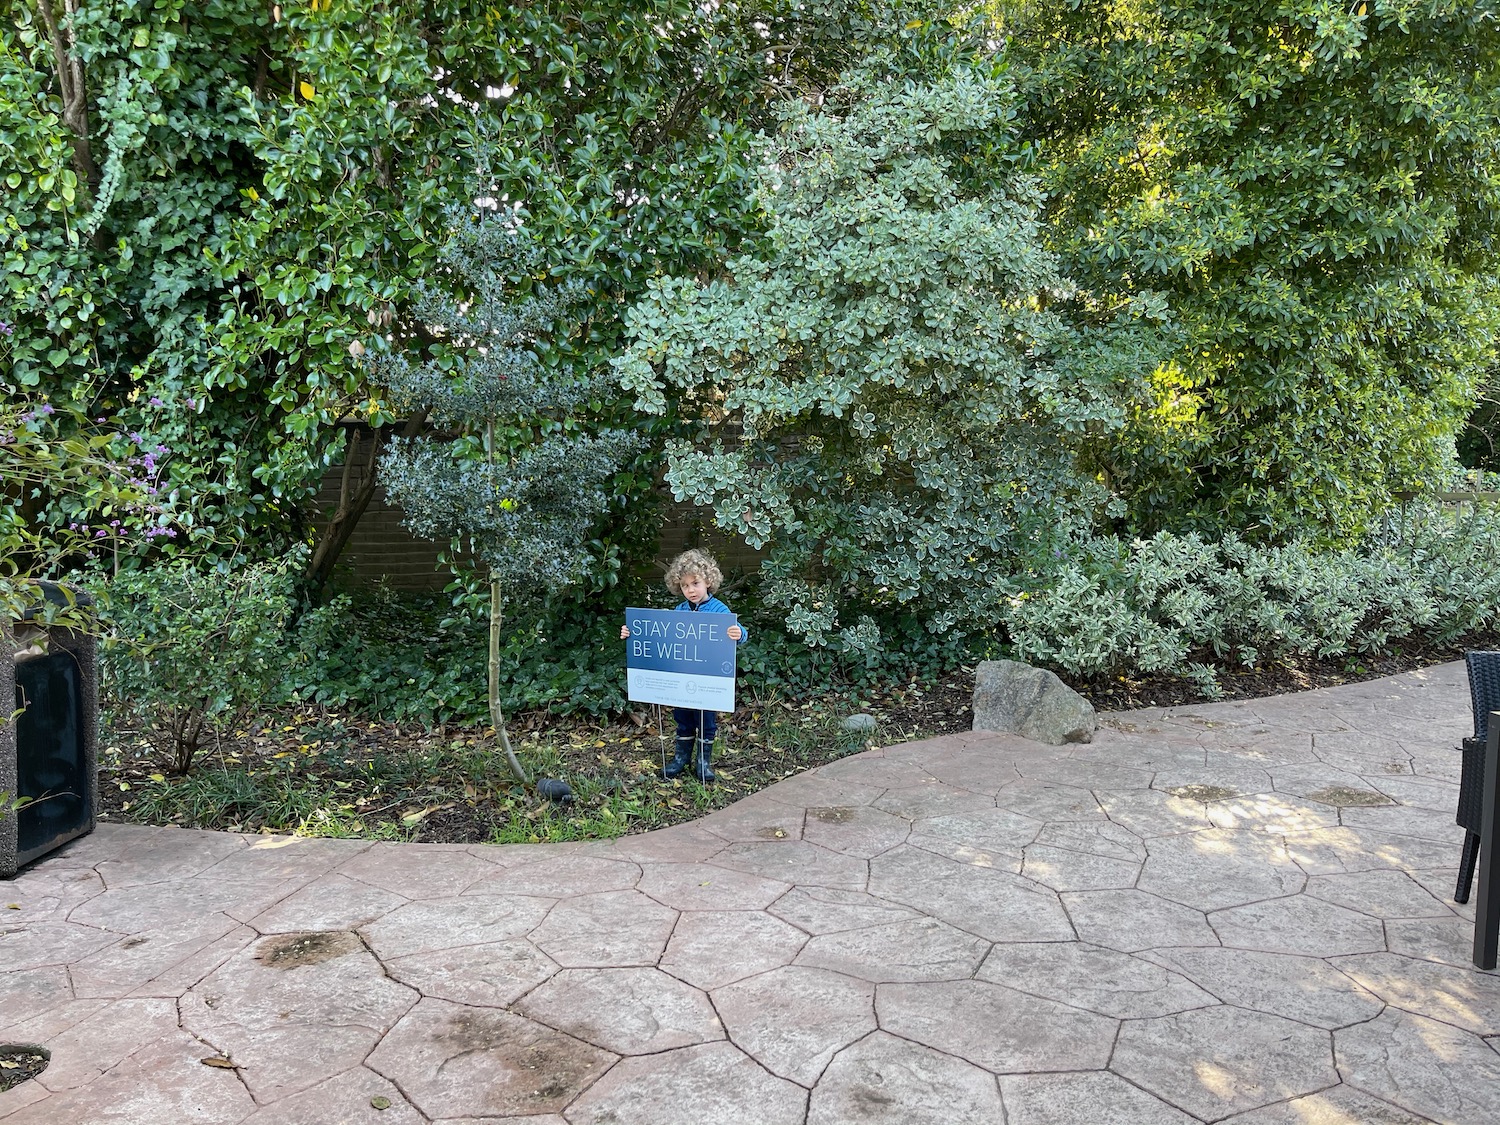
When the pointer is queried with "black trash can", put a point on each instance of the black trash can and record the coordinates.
(49, 749)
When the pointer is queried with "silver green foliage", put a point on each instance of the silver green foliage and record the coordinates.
(893, 388)
(1147, 605)
(516, 480)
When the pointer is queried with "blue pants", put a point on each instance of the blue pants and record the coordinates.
(690, 723)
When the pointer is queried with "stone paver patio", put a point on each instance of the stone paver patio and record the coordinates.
(1232, 912)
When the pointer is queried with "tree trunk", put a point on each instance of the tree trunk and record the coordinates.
(497, 719)
(354, 499)
(68, 69)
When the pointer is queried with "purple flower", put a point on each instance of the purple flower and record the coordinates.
(100, 534)
(156, 401)
(190, 403)
(5, 328)
(135, 438)
(161, 450)
(47, 408)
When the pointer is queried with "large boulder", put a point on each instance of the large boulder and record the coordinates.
(1031, 702)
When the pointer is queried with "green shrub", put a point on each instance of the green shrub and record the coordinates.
(891, 392)
(1146, 606)
(402, 657)
(188, 652)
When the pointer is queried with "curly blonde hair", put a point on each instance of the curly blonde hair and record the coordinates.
(696, 562)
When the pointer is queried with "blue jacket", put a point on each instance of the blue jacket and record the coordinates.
(714, 605)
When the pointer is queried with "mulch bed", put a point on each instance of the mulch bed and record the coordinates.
(18, 1063)
(767, 740)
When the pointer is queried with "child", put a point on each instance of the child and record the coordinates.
(695, 576)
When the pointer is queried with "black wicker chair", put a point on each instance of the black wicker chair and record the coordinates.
(1484, 695)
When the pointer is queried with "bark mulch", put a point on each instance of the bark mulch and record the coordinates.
(457, 791)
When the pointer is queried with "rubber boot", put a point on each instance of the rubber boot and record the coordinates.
(680, 758)
(703, 769)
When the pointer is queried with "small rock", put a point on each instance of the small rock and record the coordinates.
(861, 723)
(1031, 702)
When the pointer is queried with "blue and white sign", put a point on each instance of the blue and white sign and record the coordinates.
(680, 659)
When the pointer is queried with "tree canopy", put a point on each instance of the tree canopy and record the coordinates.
(1315, 187)
(922, 286)
(213, 208)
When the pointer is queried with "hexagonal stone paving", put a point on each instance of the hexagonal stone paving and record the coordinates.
(345, 1098)
(1464, 997)
(616, 928)
(295, 1008)
(995, 905)
(997, 1028)
(1061, 869)
(713, 948)
(856, 830)
(1220, 868)
(703, 886)
(1271, 813)
(457, 1061)
(1298, 924)
(1150, 814)
(1083, 1099)
(445, 923)
(493, 974)
(1214, 1062)
(921, 949)
(793, 861)
(102, 1039)
(1051, 804)
(626, 1011)
(152, 961)
(891, 881)
(1381, 894)
(1095, 979)
(978, 835)
(827, 910)
(334, 902)
(417, 876)
(1338, 1106)
(882, 1080)
(1304, 989)
(716, 1082)
(134, 1091)
(1423, 1066)
(28, 993)
(1131, 920)
(564, 875)
(794, 1020)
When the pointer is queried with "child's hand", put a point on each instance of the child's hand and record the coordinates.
(624, 631)
(734, 632)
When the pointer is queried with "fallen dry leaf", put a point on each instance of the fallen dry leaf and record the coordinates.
(221, 1062)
